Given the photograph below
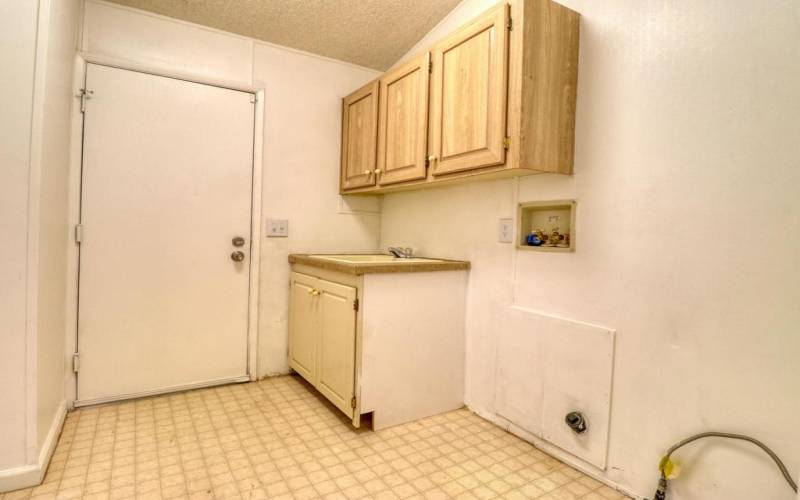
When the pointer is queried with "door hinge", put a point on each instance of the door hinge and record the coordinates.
(430, 66)
(506, 142)
(78, 233)
(353, 402)
(76, 362)
(253, 98)
(355, 305)
(84, 96)
(510, 24)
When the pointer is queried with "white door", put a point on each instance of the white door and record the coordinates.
(166, 186)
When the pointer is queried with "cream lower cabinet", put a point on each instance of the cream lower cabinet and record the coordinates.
(323, 335)
(390, 345)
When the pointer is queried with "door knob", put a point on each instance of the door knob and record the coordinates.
(237, 256)
(238, 241)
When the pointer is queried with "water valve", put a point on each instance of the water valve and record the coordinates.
(576, 421)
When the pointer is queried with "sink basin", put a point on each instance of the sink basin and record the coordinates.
(372, 259)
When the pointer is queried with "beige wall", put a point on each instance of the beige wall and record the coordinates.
(687, 173)
(301, 138)
(17, 50)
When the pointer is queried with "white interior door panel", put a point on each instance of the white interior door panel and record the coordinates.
(166, 186)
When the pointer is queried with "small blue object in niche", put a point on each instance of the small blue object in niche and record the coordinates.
(533, 240)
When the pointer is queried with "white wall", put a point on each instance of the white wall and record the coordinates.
(17, 50)
(301, 138)
(301, 179)
(54, 229)
(38, 49)
(686, 176)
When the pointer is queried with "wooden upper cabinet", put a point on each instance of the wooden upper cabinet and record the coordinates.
(468, 109)
(403, 122)
(359, 137)
(499, 99)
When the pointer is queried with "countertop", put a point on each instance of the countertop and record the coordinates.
(397, 266)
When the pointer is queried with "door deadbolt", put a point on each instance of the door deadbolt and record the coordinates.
(238, 241)
(237, 256)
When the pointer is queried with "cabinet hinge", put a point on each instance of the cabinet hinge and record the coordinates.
(430, 66)
(355, 305)
(78, 233)
(76, 362)
(84, 95)
(506, 142)
(353, 402)
(510, 24)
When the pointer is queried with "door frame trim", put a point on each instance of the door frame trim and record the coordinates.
(82, 60)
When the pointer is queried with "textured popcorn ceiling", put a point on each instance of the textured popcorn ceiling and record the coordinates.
(371, 33)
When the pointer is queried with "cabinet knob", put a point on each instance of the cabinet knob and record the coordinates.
(367, 172)
(378, 171)
(431, 159)
(313, 291)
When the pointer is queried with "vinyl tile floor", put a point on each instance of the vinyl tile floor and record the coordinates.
(278, 439)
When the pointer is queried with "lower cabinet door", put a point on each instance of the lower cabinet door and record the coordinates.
(303, 325)
(337, 344)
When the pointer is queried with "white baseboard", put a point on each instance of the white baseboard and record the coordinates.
(32, 475)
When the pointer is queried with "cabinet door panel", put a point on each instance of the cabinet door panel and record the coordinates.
(337, 344)
(359, 137)
(468, 114)
(403, 122)
(303, 326)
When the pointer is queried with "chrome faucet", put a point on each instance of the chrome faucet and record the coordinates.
(402, 253)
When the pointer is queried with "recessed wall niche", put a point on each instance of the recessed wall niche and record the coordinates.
(547, 226)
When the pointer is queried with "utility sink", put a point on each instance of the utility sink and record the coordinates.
(372, 259)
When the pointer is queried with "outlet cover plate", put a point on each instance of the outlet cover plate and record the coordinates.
(277, 228)
(505, 231)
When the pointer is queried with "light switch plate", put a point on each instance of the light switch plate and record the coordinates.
(277, 228)
(505, 231)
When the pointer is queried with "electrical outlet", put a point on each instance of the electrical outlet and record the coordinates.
(506, 231)
(277, 228)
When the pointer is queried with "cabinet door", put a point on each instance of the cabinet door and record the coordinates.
(337, 344)
(403, 122)
(359, 137)
(468, 110)
(303, 326)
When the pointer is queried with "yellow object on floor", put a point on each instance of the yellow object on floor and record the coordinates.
(277, 439)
